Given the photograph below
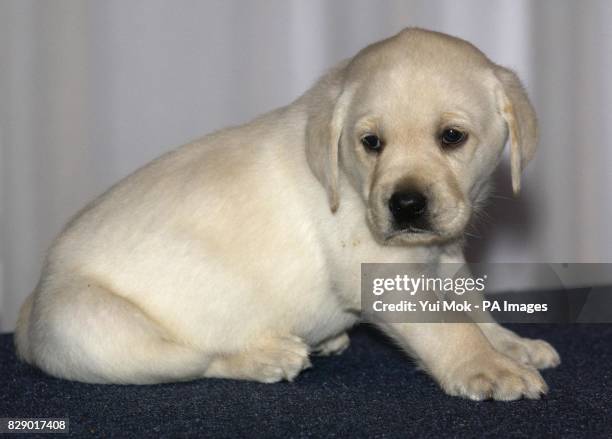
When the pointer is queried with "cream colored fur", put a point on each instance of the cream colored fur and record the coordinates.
(239, 254)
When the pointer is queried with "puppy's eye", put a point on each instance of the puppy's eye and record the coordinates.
(372, 142)
(452, 137)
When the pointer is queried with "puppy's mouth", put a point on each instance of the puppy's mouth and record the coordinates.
(417, 236)
(410, 230)
(413, 235)
(435, 227)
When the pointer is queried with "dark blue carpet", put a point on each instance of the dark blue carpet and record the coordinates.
(371, 390)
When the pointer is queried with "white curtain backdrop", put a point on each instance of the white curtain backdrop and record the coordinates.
(89, 91)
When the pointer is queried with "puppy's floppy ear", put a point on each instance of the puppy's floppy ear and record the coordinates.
(326, 105)
(520, 117)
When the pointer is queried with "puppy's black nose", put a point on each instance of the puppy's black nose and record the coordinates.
(408, 208)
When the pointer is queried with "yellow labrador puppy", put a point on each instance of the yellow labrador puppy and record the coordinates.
(237, 255)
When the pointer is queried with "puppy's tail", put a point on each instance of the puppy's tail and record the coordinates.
(22, 332)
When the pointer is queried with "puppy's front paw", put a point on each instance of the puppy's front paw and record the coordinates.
(533, 352)
(494, 376)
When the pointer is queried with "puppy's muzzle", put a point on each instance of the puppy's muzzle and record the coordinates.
(409, 211)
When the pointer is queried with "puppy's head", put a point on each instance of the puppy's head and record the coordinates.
(417, 124)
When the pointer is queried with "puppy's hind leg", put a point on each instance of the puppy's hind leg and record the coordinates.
(22, 342)
(87, 333)
(271, 359)
(333, 346)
